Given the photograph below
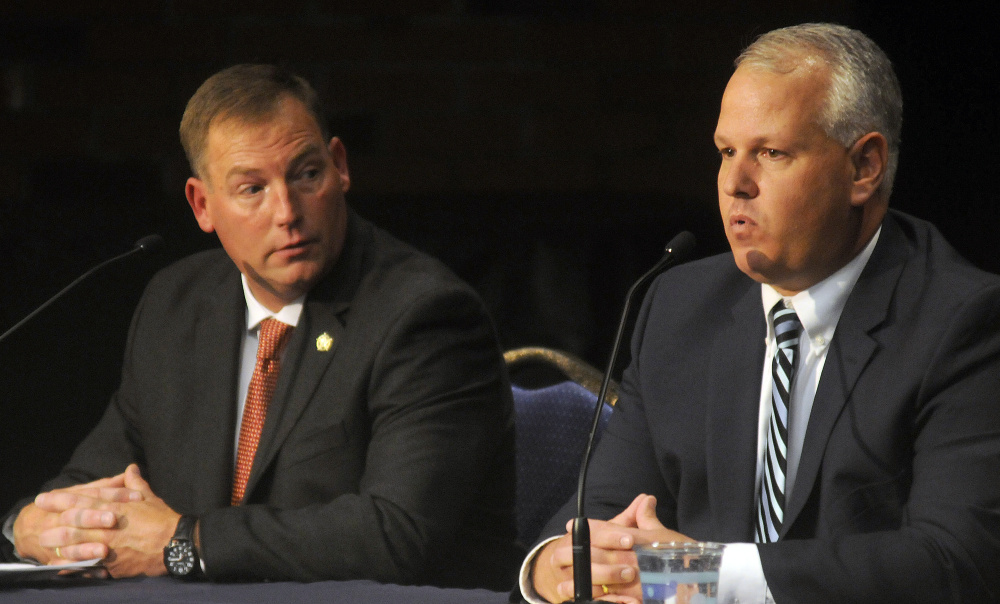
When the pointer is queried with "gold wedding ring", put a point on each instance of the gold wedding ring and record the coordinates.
(59, 555)
(605, 588)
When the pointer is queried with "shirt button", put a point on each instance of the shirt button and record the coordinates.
(820, 341)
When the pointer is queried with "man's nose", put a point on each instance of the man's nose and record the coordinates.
(738, 177)
(285, 204)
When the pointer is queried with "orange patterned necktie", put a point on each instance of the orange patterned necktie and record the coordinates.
(272, 337)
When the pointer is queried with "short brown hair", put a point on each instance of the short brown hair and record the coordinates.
(245, 92)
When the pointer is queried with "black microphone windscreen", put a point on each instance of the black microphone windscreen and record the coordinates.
(681, 245)
(150, 244)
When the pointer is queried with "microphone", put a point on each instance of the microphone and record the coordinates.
(149, 244)
(677, 251)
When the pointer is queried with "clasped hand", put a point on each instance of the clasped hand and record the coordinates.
(118, 519)
(614, 570)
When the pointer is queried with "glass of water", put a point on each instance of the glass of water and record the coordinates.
(679, 573)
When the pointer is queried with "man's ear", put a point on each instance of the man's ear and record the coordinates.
(196, 191)
(339, 154)
(870, 158)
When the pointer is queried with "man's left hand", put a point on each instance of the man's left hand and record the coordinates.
(135, 543)
(613, 541)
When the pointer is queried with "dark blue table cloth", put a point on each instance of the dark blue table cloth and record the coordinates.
(162, 590)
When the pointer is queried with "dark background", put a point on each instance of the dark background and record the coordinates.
(546, 150)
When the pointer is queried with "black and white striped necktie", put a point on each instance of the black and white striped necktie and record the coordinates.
(771, 506)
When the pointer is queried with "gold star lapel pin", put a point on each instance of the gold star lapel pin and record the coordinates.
(324, 342)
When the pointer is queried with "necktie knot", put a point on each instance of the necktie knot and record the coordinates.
(787, 327)
(272, 337)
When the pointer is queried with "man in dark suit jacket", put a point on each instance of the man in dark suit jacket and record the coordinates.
(893, 430)
(387, 448)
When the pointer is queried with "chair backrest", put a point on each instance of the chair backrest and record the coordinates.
(535, 367)
(552, 426)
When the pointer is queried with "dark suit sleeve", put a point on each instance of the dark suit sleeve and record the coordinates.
(948, 547)
(623, 465)
(439, 406)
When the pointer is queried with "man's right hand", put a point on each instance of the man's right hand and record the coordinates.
(79, 513)
(614, 571)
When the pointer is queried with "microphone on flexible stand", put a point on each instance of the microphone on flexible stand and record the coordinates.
(149, 244)
(676, 252)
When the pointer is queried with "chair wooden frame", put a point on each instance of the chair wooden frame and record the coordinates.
(573, 367)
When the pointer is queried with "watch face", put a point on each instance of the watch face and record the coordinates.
(179, 557)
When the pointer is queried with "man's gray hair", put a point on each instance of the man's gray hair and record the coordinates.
(864, 94)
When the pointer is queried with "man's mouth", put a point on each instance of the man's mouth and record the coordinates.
(298, 244)
(295, 247)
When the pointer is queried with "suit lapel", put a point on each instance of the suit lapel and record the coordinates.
(217, 341)
(312, 347)
(851, 349)
(734, 401)
(310, 351)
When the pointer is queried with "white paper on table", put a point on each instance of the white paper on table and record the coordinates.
(21, 571)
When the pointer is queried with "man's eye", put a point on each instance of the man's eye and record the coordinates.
(250, 189)
(726, 152)
(309, 173)
(773, 153)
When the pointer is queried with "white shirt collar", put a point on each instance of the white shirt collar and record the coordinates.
(820, 306)
(257, 312)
